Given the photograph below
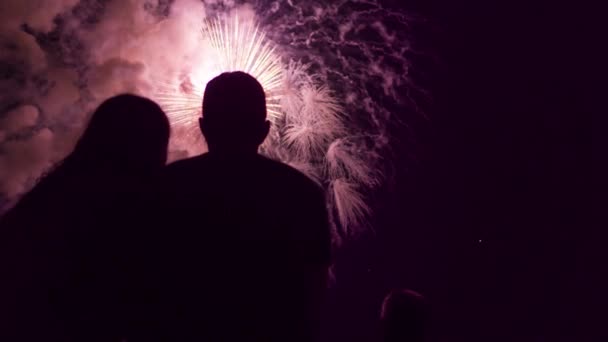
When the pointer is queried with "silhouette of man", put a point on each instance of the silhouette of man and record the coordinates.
(248, 246)
(403, 317)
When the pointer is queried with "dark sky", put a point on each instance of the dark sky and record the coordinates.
(486, 223)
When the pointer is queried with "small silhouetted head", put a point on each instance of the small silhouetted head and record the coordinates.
(403, 316)
(126, 131)
(234, 113)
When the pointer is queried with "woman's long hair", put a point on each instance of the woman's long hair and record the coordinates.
(126, 139)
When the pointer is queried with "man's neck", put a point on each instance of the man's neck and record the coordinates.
(233, 154)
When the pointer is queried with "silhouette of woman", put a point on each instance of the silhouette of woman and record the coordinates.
(64, 247)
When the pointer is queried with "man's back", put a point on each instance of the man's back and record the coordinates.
(246, 248)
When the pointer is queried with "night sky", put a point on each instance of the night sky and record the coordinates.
(487, 223)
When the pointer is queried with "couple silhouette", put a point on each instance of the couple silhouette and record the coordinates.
(112, 245)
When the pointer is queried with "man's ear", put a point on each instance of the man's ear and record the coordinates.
(201, 125)
(263, 133)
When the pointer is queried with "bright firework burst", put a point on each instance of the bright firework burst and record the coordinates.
(309, 128)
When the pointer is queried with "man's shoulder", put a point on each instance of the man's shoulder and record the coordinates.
(289, 174)
(184, 165)
(185, 171)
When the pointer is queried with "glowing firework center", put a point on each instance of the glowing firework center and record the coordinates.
(240, 46)
(231, 43)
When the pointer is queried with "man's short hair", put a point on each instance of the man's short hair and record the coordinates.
(234, 98)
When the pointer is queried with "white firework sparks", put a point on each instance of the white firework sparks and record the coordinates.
(308, 131)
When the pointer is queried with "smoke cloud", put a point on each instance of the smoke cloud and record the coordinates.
(60, 59)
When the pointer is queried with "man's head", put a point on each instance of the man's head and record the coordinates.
(234, 113)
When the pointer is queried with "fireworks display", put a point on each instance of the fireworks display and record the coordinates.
(335, 76)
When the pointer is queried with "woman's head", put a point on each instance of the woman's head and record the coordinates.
(127, 138)
(126, 131)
